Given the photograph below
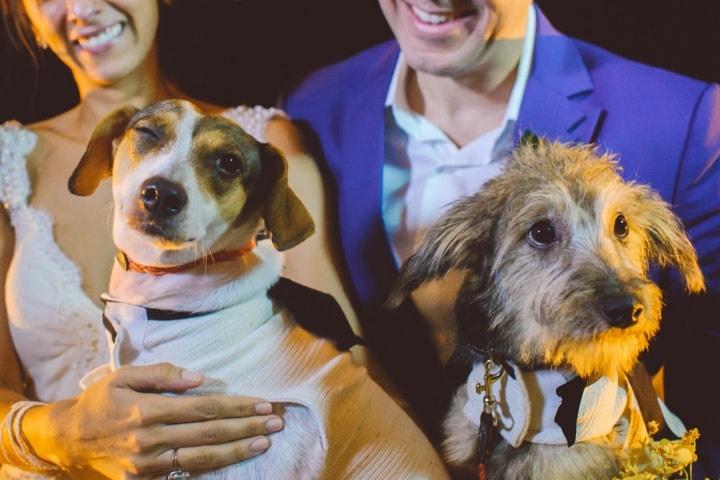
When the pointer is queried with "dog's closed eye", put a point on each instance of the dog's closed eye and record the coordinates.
(147, 131)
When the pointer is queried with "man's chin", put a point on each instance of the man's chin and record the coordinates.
(440, 64)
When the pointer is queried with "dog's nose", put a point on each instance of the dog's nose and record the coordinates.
(621, 311)
(162, 197)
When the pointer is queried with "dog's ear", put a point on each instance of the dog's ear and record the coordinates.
(667, 243)
(97, 161)
(531, 139)
(285, 216)
(461, 239)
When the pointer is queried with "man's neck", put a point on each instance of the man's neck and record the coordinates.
(464, 108)
(468, 104)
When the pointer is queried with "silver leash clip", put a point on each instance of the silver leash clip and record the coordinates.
(493, 373)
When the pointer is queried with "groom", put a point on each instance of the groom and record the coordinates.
(412, 124)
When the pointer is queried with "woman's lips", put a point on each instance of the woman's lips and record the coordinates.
(100, 40)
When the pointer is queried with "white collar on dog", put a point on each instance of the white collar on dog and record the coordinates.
(526, 405)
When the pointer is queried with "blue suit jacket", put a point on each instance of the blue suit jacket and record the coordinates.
(664, 127)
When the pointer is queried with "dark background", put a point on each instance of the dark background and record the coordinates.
(246, 51)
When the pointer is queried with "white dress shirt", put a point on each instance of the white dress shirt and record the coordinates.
(425, 170)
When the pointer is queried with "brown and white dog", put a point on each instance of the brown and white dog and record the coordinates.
(191, 192)
(557, 250)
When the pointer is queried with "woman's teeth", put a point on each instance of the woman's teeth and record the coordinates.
(432, 18)
(102, 37)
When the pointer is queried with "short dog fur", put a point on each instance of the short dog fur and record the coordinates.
(191, 192)
(557, 250)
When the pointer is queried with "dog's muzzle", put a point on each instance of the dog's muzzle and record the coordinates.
(161, 198)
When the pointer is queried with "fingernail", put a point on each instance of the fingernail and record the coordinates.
(274, 424)
(191, 376)
(263, 408)
(259, 444)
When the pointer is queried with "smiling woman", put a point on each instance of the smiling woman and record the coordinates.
(56, 254)
(116, 42)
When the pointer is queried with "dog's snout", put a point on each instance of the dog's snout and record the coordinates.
(161, 197)
(621, 311)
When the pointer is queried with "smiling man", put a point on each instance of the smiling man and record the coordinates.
(412, 124)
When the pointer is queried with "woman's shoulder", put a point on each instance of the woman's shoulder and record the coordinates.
(53, 126)
(16, 137)
(20, 146)
(16, 143)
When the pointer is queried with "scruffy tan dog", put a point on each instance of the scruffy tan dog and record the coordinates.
(558, 297)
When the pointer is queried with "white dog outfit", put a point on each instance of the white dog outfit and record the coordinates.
(528, 404)
(59, 337)
(336, 418)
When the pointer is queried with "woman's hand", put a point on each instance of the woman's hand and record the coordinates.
(122, 429)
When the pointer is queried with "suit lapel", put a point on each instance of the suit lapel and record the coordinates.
(360, 188)
(555, 103)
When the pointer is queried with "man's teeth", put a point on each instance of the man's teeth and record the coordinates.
(104, 36)
(432, 18)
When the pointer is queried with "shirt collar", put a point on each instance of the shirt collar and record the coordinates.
(397, 94)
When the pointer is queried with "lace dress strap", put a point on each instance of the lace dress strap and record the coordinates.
(16, 142)
(254, 120)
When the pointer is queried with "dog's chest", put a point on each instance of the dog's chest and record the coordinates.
(249, 349)
(338, 423)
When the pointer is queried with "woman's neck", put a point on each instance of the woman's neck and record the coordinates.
(139, 89)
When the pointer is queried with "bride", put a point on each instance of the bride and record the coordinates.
(55, 258)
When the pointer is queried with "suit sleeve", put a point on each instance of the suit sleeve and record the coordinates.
(691, 323)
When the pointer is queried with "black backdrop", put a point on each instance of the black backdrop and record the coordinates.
(246, 51)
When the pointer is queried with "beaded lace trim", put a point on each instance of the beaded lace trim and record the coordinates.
(254, 119)
(16, 142)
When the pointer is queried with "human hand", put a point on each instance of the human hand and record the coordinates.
(122, 428)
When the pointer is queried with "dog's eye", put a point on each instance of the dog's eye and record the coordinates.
(621, 226)
(147, 131)
(229, 166)
(541, 234)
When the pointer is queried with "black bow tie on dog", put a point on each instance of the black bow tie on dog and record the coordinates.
(639, 379)
(315, 311)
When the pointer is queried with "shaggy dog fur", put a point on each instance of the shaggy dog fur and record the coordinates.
(557, 251)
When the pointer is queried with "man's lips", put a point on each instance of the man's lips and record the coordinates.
(439, 17)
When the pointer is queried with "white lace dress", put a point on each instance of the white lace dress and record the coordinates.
(56, 329)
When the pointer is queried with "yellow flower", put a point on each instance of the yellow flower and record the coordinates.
(659, 459)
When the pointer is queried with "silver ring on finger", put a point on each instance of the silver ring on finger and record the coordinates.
(177, 473)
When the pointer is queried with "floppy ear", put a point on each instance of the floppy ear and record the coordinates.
(666, 240)
(285, 216)
(462, 239)
(97, 161)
